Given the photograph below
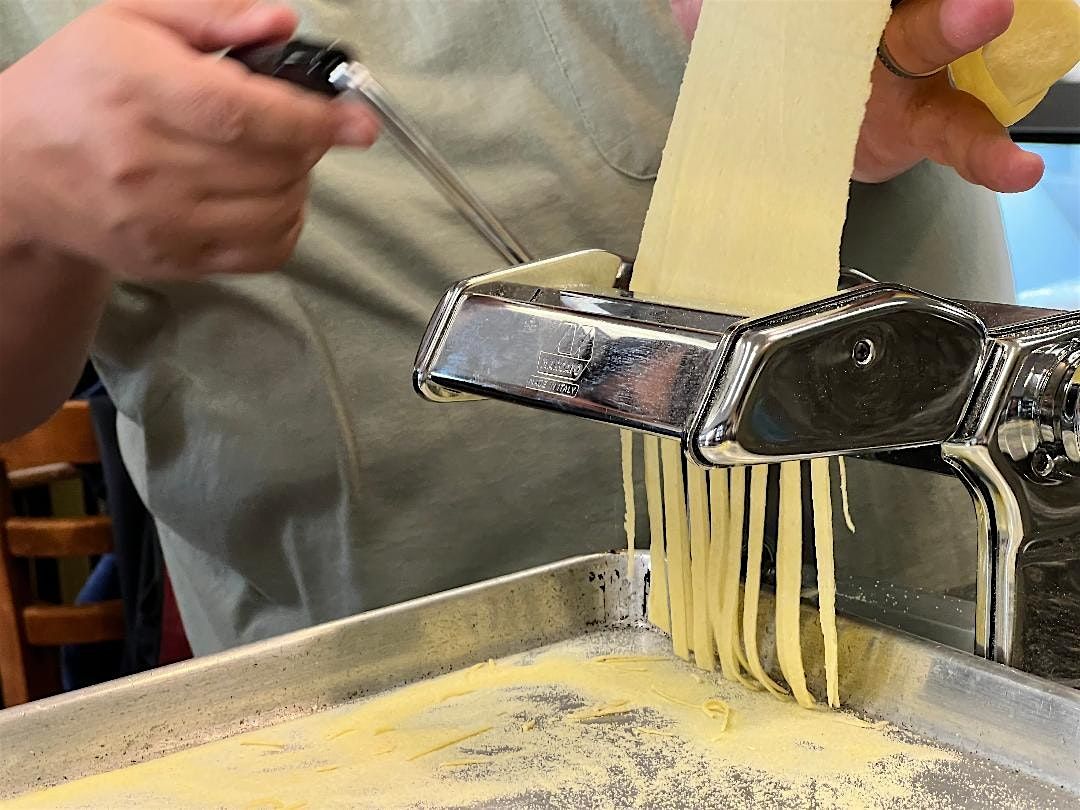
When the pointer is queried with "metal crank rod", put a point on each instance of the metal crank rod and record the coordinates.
(331, 71)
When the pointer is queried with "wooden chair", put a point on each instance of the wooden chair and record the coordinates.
(29, 632)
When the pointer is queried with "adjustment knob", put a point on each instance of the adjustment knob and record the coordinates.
(1042, 418)
(1069, 412)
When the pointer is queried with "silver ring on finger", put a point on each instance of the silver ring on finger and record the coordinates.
(893, 67)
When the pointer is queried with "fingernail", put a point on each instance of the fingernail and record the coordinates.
(357, 131)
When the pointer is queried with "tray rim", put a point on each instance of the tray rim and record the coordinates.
(932, 689)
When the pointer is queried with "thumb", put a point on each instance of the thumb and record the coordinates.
(210, 25)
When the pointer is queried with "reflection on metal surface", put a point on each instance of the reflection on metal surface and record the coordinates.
(588, 268)
(1029, 725)
(936, 617)
(1048, 591)
(1040, 418)
(999, 511)
(1021, 414)
(798, 384)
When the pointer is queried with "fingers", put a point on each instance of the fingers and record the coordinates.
(253, 234)
(218, 174)
(249, 235)
(219, 102)
(253, 244)
(909, 120)
(686, 14)
(955, 129)
(247, 220)
(210, 25)
(996, 162)
(356, 125)
(263, 257)
(926, 35)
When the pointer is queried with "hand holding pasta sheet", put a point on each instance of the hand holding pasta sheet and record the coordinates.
(912, 119)
(130, 146)
(908, 120)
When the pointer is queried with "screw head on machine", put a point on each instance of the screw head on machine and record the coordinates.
(863, 352)
(1042, 463)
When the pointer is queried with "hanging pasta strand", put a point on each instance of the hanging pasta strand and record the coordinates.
(733, 567)
(755, 543)
(826, 573)
(789, 582)
(626, 445)
(844, 494)
(680, 593)
(729, 573)
(697, 496)
(723, 517)
(718, 521)
(659, 609)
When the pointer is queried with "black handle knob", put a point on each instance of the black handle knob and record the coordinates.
(303, 63)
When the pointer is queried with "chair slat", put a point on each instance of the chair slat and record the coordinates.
(39, 476)
(30, 632)
(59, 537)
(68, 436)
(53, 625)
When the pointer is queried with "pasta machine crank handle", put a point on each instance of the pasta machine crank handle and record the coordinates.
(305, 64)
(331, 71)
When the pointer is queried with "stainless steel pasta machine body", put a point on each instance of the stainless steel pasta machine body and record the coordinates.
(988, 392)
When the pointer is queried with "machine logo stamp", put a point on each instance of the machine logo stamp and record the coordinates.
(557, 371)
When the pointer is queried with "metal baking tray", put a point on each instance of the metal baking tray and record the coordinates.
(1013, 730)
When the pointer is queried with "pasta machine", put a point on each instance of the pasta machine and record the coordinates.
(990, 393)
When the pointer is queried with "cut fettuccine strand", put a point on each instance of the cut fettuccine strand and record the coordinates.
(680, 594)
(826, 573)
(755, 542)
(626, 445)
(659, 609)
(789, 582)
(697, 490)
